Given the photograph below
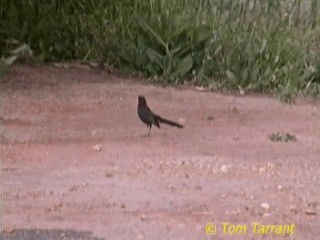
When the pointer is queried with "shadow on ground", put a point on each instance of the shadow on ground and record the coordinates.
(45, 234)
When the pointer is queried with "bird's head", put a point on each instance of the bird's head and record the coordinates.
(142, 100)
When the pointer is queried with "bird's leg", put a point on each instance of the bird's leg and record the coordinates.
(149, 130)
(148, 134)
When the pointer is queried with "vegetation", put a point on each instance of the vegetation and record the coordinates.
(282, 137)
(252, 45)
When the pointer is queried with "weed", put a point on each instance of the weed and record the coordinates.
(257, 45)
(285, 137)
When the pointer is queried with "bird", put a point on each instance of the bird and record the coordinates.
(149, 118)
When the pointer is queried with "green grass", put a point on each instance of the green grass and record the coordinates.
(282, 137)
(255, 45)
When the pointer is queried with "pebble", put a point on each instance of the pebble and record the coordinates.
(97, 147)
(224, 168)
(310, 212)
(265, 205)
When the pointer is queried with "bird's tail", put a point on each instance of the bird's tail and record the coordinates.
(165, 121)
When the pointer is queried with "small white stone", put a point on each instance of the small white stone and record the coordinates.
(97, 147)
(224, 168)
(265, 205)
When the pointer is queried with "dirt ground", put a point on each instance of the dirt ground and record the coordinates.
(76, 163)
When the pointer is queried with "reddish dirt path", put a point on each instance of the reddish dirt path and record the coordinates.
(220, 168)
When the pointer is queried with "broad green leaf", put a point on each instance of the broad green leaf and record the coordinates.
(183, 67)
(232, 77)
(10, 60)
(155, 57)
(21, 49)
(263, 47)
(217, 51)
(142, 23)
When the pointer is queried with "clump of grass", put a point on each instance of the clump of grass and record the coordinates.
(282, 137)
(256, 45)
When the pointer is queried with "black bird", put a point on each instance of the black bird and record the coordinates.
(149, 118)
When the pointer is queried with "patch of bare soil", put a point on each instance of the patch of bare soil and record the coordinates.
(74, 157)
